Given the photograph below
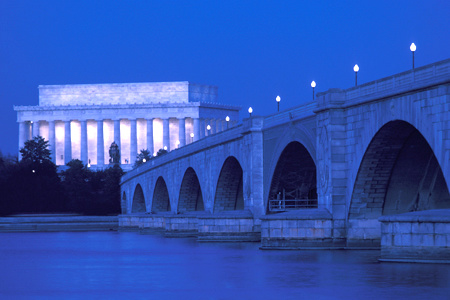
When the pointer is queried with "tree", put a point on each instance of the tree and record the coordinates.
(161, 152)
(75, 181)
(144, 154)
(35, 150)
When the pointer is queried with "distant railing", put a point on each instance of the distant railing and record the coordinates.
(291, 204)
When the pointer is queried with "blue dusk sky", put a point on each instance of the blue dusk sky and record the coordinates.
(252, 50)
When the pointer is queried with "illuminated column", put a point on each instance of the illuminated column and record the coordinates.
(51, 140)
(36, 126)
(196, 129)
(219, 126)
(67, 142)
(202, 128)
(100, 144)
(84, 142)
(182, 131)
(166, 134)
(212, 123)
(150, 146)
(117, 134)
(133, 141)
(22, 136)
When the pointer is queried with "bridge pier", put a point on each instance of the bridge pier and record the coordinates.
(183, 225)
(232, 226)
(421, 236)
(301, 229)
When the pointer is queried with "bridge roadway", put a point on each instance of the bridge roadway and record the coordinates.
(365, 158)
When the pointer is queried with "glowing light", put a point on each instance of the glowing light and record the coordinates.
(165, 147)
(278, 99)
(313, 84)
(227, 119)
(208, 127)
(250, 110)
(144, 160)
(33, 171)
(356, 68)
(192, 134)
(154, 154)
(413, 47)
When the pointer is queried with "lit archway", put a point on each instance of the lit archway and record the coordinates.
(138, 200)
(293, 184)
(399, 173)
(160, 201)
(229, 191)
(190, 198)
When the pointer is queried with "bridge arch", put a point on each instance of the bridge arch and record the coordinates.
(190, 197)
(229, 190)
(161, 201)
(294, 177)
(138, 204)
(398, 173)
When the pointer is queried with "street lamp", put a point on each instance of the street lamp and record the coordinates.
(313, 85)
(154, 154)
(178, 144)
(278, 101)
(228, 120)
(250, 110)
(165, 148)
(209, 129)
(356, 69)
(413, 49)
(192, 137)
(144, 160)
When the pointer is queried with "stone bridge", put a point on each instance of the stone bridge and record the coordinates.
(357, 168)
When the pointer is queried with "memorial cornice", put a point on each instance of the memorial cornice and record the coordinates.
(138, 111)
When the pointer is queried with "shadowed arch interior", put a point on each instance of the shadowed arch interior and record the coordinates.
(138, 200)
(160, 197)
(399, 173)
(123, 203)
(190, 198)
(294, 178)
(229, 192)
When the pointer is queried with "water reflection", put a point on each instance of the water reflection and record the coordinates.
(128, 265)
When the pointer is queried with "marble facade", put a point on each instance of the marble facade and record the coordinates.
(81, 121)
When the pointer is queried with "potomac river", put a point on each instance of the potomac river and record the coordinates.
(127, 265)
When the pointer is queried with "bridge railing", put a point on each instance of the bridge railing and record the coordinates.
(301, 111)
(278, 205)
(401, 80)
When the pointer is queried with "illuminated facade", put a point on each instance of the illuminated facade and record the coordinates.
(82, 121)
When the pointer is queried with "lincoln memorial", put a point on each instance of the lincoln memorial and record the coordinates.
(82, 121)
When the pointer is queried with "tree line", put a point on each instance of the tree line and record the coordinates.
(34, 185)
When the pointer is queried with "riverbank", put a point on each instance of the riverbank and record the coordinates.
(57, 222)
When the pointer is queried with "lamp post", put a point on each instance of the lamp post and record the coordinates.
(313, 85)
(165, 148)
(278, 102)
(413, 49)
(178, 144)
(228, 120)
(250, 110)
(208, 128)
(192, 137)
(144, 160)
(356, 69)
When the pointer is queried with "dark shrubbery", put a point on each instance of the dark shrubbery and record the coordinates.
(33, 185)
(92, 193)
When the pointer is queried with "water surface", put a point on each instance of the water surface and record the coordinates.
(111, 265)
